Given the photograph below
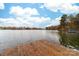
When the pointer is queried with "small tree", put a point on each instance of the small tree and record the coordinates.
(63, 22)
(77, 21)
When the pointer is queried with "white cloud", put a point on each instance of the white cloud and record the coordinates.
(27, 22)
(16, 10)
(38, 19)
(55, 21)
(42, 6)
(25, 18)
(1, 6)
(69, 8)
(64, 6)
(19, 11)
(34, 21)
(8, 22)
(24, 15)
(13, 22)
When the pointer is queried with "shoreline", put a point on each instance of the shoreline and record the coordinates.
(39, 48)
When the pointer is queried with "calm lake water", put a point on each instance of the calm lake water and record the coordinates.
(12, 38)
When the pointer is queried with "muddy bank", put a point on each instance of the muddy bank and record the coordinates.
(40, 48)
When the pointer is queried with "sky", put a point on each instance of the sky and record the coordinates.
(36, 14)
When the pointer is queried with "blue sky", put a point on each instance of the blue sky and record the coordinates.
(42, 11)
(35, 14)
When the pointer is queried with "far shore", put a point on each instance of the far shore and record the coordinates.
(40, 48)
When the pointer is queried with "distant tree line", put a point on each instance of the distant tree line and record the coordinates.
(69, 22)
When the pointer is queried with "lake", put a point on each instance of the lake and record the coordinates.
(12, 38)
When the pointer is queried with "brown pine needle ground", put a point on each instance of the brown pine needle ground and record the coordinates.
(40, 48)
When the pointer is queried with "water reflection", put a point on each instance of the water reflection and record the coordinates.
(70, 40)
(11, 38)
